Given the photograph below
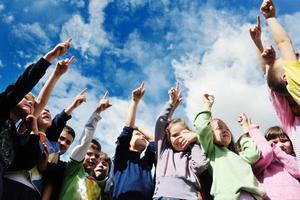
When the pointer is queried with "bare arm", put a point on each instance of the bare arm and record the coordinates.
(279, 35)
(79, 99)
(44, 95)
(137, 95)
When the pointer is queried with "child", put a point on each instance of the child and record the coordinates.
(287, 74)
(286, 108)
(232, 177)
(101, 173)
(17, 104)
(78, 182)
(179, 160)
(276, 169)
(132, 173)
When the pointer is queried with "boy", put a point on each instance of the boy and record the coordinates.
(78, 182)
(132, 173)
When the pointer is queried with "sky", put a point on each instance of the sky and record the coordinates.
(204, 45)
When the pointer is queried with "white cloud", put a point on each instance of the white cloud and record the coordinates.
(2, 7)
(32, 33)
(8, 19)
(88, 37)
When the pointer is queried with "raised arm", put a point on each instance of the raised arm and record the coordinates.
(44, 95)
(255, 33)
(79, 99)
(279, 35)
(250, 152)
(137, 95)
(202, 123)
(166, 114)
(89, 130)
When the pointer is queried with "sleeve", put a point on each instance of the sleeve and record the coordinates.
(122, 148)
(25, 83)
(27, 155)
(198, 162)
(150, 153)
(267, 153)
(202, 123)
(80, 150)
(250, 152)
(292, 71)
(57, 126)
(283, 110)
(296, 144)
(160, 126)
(288, 161)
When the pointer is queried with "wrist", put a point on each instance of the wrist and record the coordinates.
(49, 57)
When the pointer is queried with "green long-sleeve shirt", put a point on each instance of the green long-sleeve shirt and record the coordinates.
(231, 174)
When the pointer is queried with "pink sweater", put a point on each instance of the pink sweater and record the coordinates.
(276, 170)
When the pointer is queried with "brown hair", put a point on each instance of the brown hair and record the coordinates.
(277, 132)
(104, 157)
(166, 139)
(237, 146)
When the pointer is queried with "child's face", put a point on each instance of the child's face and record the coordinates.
(92, 158)
(138, 141)
(26, 105)
(283, 142)
(65, 140)
(101, 170)
(176, 131)
(221, 133)
(44, 119)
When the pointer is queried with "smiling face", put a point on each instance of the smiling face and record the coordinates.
(64, 141)
(176, 130)
(44, 120)
(102, 169)
(24, 107)
(221, 133)
(92, 158)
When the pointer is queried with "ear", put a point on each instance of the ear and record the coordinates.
(283, 77)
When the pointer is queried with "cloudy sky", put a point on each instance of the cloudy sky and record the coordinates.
(203, 44)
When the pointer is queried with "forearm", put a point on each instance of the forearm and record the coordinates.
(132, 114)
(281, 39)
(149, 135)
(80, 150)
(45, 93)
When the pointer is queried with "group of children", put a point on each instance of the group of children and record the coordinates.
(173, 163)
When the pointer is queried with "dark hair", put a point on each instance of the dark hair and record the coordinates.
(231, 145)
(95, 142)
(70, 131)
(166, 139)
(237, 146)
(277, 132)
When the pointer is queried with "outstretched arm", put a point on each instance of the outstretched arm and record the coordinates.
(89, 130)
(44, 95)
(79, 99)
(279, 35)
(137, 95)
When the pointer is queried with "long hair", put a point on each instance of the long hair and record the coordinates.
(277, 132)
(167, 135)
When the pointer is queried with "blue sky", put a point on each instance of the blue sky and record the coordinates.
(204, 45)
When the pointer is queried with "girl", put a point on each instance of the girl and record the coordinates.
(232, 177)
(277, 168)
(179, 159)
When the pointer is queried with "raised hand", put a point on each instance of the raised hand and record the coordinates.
(58, 50)
(31, 123)
(255, 33)
(186, 138)
(267, 8)
(175, 95)
(138, 93)
(208, 100)
(80, 98)
(103, 103)
(245, 122)
(269, 55)
(63, 65)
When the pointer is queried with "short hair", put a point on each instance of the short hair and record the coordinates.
(104, 157)
(98, 145)
(277, 132)
(70, 131)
